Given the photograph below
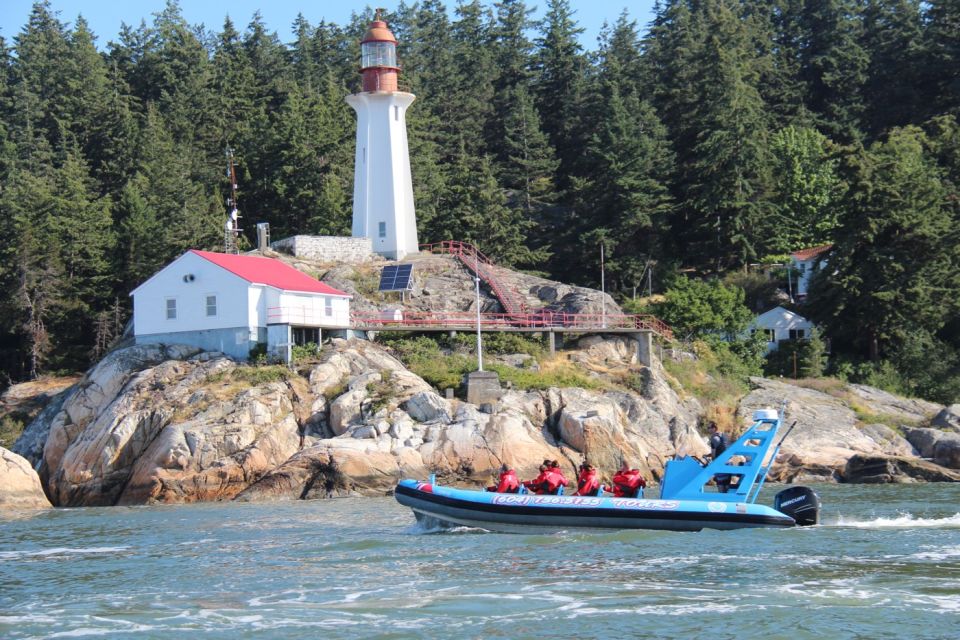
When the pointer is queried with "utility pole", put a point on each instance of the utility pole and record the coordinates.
(476, 281)
(603, 291)
(232, 227)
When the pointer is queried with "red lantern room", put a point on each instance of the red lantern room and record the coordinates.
(378, 62)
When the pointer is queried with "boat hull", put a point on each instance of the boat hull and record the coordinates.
(513, 513)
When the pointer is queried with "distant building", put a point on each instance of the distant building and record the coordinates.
(232, 303)
(781, 324)
(804, 264)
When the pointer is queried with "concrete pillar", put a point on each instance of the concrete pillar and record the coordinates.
(644, 347)
(552, 342)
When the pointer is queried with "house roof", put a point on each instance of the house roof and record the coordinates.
(812, 252)
(268, 271)
(778, 312)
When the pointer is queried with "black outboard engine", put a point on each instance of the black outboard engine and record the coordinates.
(800, 503)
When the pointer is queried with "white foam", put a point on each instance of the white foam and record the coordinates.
(903, 521)
(58, 551)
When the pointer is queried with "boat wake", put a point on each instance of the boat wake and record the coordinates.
(425, 525)
(902, 521)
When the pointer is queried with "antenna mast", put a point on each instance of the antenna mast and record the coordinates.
(232, 229)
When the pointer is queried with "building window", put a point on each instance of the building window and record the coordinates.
(171, 308)
(797, 334)
(383, 229)
(328, 306)
(770, 335)
(211, 306)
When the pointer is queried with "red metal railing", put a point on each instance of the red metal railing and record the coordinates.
(541, 319)
(482, 266)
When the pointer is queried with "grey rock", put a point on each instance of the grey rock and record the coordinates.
(947, 419)
(427, 406)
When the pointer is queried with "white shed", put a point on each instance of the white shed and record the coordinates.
(781, 324)
(231, 303)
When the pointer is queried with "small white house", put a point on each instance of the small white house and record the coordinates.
(805, 263)
(781, 324)
(231, 303)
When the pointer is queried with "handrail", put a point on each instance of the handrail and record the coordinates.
(542, 319)
(474, 260)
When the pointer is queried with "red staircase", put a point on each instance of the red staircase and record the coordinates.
(482, 266)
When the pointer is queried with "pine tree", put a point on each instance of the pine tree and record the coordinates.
(725, 174)
(560, 84)
(893, 40)
(895, 264)
(833, 67)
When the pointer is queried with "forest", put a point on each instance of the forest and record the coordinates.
(721, 136)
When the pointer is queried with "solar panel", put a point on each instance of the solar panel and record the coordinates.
(396, 277)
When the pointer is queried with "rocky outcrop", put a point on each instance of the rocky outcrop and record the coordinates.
(169, 424)
(830, 440)
(947, 419)
(895, 469)
(19, 484)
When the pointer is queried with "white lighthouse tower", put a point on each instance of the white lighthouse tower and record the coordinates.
(382, 189)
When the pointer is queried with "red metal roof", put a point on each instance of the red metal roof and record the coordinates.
(268, 271)
(812, 252)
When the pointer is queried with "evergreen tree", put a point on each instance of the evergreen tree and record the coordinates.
(834, 66)
(560, 85)
(895, 263)
(893, 40)
(726, 175)
(941, 70)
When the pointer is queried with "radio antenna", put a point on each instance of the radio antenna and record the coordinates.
(231, 230)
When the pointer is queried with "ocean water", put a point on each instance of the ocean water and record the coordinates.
(885, 563)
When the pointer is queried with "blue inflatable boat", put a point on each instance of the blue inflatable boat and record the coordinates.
(688, 500)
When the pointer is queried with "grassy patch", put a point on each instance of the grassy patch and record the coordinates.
(11, 426)
(719, 394)
(255, 376)
(366, 280)
(830, 386)
(553, 373)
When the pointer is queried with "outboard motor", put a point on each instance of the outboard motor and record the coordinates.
(800, 503)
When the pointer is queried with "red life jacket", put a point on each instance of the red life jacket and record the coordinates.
(553, 480)
(588, 484)
(508, 482)
(626, 483)
(538, 484)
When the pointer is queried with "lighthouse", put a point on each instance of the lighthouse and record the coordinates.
(382, 189)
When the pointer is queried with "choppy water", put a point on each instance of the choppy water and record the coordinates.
(886, 564)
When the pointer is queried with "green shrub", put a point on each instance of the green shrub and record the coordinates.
(11, 426)
(261, 375)
(305, 352)
(258, 355)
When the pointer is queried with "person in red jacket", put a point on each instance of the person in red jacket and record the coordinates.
(554, 478)
(508, 482)
(538, 484)
(627, 482)
(588, 484)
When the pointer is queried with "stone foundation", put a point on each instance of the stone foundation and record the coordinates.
(326, 248)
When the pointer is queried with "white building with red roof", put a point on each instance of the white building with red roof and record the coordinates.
(233, 303)
(805, 263)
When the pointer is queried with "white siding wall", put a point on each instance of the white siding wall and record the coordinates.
(150, 298)
(781, 321)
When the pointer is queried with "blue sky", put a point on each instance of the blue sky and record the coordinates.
(106, 16)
